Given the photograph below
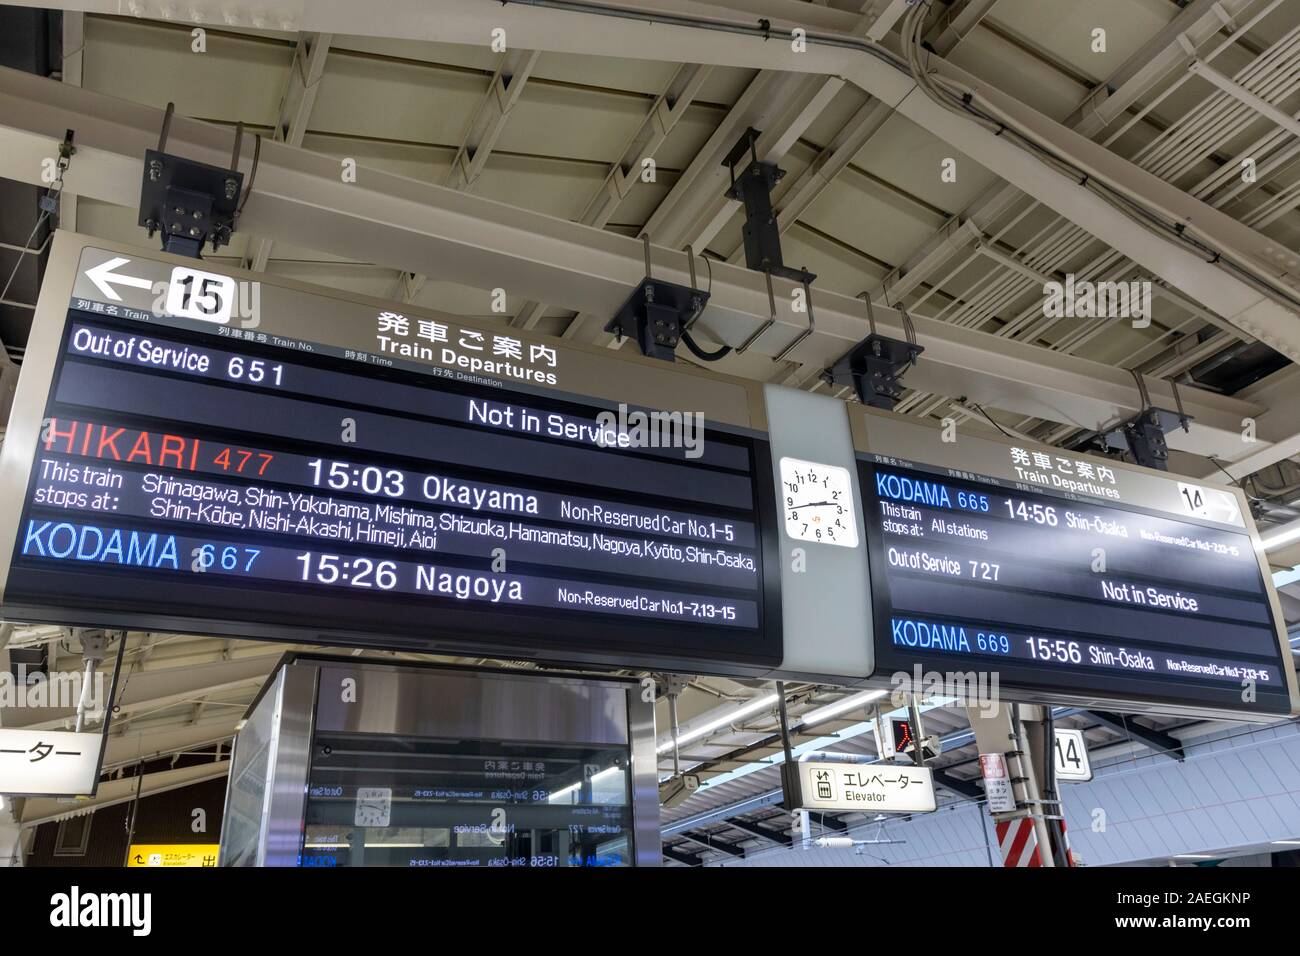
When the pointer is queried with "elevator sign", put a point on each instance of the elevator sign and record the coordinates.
(52, 763)
(876, 787)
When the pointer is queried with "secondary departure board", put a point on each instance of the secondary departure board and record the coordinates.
(254, 478)
(1063, 594)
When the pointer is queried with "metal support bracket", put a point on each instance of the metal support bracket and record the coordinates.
(51, 202)
(874, 368)
(752, 187)
(1143, 435)
(191, 203)
(658, 312)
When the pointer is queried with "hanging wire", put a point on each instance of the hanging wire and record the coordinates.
(50, 201)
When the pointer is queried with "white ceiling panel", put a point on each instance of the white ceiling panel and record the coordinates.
(238, 78)
(1012, 70)
(868, 216)
(396, 99)
(555, 187)
(418, 161)
(1065, 30)
(912, 159)
(557, 120)
(648, 77)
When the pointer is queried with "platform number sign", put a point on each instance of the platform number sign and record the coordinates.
(1210, 503)
(1071, 755)
(203, 296)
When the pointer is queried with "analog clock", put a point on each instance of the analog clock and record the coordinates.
(374, 806)
(817, 501)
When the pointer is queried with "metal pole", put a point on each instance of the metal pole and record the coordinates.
(914, 718)
(785, 725)
(672, 717)
(791, 788)
(83, 705)
(1059, 852)
(1029, 787)
(135, 809)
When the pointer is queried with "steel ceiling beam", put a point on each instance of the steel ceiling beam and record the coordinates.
(964, 788)
(125, 749)
(485, 127)
(781, 106)
(1155, 59)
(1156, 740)
(669, 107)
(829, 822)
(703, 840)
(418, 227)
(296, 104)
(703, 32)
(763, 833)
(686, 859)
(74, 56)
(956, 23)
(489, 120)
(38, 810)
(1278, 431)
(143, 690)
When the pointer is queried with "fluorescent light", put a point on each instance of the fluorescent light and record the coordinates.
(1195, 856)
(1286, 842)
(1283, 535)
(2, 802)
(605, 773)
(562, 791)
(1282, 578)
(840, 706)
(757, 704)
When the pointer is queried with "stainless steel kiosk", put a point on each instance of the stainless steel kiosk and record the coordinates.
(346, 761)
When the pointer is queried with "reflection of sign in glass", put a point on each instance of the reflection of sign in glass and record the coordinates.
(374, 806)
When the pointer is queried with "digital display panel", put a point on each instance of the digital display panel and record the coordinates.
(197, 475)
(1065, 596)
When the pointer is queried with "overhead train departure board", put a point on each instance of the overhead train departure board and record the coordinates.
(262, 479)
(1088, 586)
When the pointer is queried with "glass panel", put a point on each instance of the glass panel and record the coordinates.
(246, 792)
(73, 836)
(385, 800)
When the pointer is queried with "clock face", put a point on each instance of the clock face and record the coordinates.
(374, 806)
(817, 501)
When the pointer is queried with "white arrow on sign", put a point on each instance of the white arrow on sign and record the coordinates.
(103, 276)
(1212, 503)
